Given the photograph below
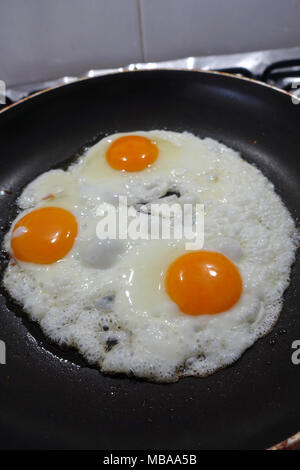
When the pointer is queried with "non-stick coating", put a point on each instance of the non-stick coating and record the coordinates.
(51, 398)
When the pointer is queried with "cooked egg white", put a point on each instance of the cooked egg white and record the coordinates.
(108, 298)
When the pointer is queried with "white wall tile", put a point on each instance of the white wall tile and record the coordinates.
(180, 28)
(42, 39)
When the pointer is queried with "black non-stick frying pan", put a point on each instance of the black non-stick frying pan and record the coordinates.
(50, 398)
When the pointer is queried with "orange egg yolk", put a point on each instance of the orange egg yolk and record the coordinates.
(203, 282)
(44, 235)
(131, 153)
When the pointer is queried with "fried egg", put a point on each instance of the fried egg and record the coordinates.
(149, 307)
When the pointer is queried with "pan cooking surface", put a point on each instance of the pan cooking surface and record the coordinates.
(50, 398)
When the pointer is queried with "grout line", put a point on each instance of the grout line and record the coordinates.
(141, 28)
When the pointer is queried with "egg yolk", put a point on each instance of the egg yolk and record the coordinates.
(131, 153)
(203, 282)
(44, 235)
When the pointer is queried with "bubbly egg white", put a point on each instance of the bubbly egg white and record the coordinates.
(107, 298)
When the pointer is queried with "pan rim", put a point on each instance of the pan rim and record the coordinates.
(292, 442)
(208, 72)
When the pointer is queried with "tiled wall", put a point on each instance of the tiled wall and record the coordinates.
(41, 39)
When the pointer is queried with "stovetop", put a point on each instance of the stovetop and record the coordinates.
(279, 67)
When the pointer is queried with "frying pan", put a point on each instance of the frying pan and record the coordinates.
(50, 398)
